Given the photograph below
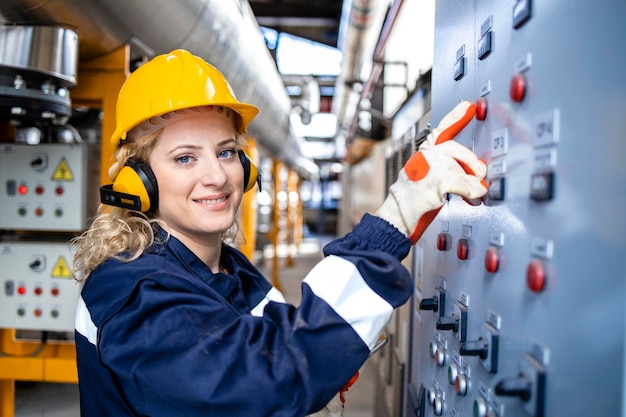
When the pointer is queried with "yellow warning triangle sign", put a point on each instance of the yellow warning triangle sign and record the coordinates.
(63, 171)
(61, 269)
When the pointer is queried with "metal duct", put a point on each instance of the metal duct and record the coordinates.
(224, 33)
(361, 22)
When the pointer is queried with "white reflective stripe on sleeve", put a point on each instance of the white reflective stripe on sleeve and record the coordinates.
(83, 323)
(339, 283)
(272, 295)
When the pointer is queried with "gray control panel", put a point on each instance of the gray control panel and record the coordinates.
(519, 310)
(45, 187)
(38, 292)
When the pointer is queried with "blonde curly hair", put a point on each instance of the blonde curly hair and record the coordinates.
(121, 233)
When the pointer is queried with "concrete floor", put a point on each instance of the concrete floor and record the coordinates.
(61, 400)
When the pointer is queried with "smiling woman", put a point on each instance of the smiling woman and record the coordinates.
(173, 321)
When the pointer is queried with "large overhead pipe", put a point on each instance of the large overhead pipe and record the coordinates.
(361, 21)
(377, 67)
(224, 33)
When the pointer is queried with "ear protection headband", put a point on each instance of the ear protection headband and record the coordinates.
(136, 188)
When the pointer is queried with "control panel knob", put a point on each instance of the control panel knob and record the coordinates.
(430, 396)
(478, 348)
(430, 304)
(460, 385)
(453, 372)
(515, 387)
(440, 357)
(480, 407)
(438, 406)
(448, 323)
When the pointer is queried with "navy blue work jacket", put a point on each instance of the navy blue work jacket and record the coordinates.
(163, 336)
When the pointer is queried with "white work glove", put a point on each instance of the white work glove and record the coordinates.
(440, 166)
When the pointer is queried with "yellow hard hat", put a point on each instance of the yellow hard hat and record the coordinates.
(175, 81)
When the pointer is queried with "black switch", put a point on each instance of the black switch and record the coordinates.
(9, 287)
(542, 186)
(11, 187)
(459, 68)
(521, 13)
(448, 323)
(484, 45)
(496, 189)
(515, 387)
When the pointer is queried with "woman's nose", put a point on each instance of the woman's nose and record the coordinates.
(214, 174)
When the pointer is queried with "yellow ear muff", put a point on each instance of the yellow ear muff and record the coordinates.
(251, 174)
(134, 188)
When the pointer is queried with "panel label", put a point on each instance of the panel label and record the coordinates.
(546, 129)
(499, 143)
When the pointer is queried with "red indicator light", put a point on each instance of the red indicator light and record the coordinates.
(492, 261)
(59, 190)
(518, 88)
(481, 108)
(22, 189)
(462, 249)
(39, 190)
(21, 290)
(38, 291)
(54, 292)
(536, 276)
(442, 241)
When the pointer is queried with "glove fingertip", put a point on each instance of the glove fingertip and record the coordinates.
(451, 131)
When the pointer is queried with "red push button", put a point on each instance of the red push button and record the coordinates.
(492, 260)
(481, 108)
(536, 276)
(462, 249)
(518, 88)
(443, 242)
(38, 212)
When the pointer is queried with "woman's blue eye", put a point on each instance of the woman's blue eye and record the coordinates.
(184, 159)
(227, 153)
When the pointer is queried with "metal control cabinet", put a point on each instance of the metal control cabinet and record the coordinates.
(519, 302)
(45, 187)
(38, 292)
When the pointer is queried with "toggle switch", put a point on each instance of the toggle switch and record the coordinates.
(520, 387)
(37, 263)
(485, 348)
(430, 304)
(478, 348)
(528, 386)
(436, 303)
(457, 322)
